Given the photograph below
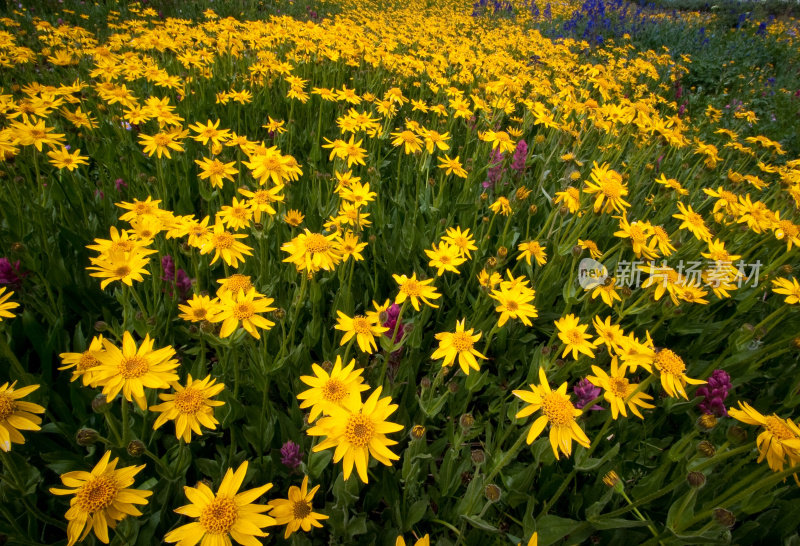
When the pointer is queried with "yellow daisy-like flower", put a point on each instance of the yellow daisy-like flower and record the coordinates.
(5, 305)
(190, 407)
(692, 222)
(424, 541)
(458, 344)
(532, 249)
(199, 308)
(215, 171)
(779, 440)
(234, 283)
(125, 267)
(226, 244)
(415, 290)
(357, 431)
(311, 252)
(16, 415)
(619, 392)
(83, 363)
(463, 240)
(130, 370)
(609, 187)
(445, 258)
(62, 159)
(574, 336)
(514, 302)
(293, 217)
(103, 497)
(243, 307)
(787, 287)
(297, 512)
(501, 206)
(672, 370)
(452, 166)
(331, 389)
(225, 515)
(365, 328)
(557, 410)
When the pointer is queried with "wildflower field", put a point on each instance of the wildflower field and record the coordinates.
(383, 272)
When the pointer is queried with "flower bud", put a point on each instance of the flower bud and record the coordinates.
(787, 269)
(100, 326)
(136, 448)
(425, 382)
(417, 432)
(86, 436)
(706, 449)
(452, 386)
(492, 492)
(612, 480)
(626, 292)
(576, 251)
(491, 263)
(207, 327)
(484, 196)
(327, 365)
(502, 252)
(478, 456)
(372, 238)
(258, 226)
(706, 421)
(100, 404)
(16, 248)
(724, 517)
(279, 313)
(466, 421)
(696, 479)
(737, 435)
(533, 209)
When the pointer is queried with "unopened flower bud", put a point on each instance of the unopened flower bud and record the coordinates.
(696, 479)
(17, 247)
(502, 252)
(706, 421)
(478, 456)
(484, 196)
(533, 209)
(86, 436)
(737, 434)
(100, 326)
(425, 382)
(491, 263)
(327, 365)
(626, 292)
(787, 269)
(612, 480)
(492, 492)
(576, 251)
(372, 238)
(724, 517)
(207, 327)
(706, 449)
(258, 226)
(417, 432)
(100, 404)
(452, 386)
(279, 313)
(546, 350)
(466, 421)
(136, 448)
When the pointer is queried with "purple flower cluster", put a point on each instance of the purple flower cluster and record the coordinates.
(586, 392)
(291, 455)
(715, 392)
(520, 155)
(496, 169)
(392, 313)
(10, 274)
(176, 277)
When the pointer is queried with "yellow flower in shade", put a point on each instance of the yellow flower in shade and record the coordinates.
(452, 166)
(215, 171)
(190, 407)
(357, 431)
(293, 217)
(82, 364)
(5, 305)
(692, 222)
(311, 252)
(199, 308)
(501, 206)
(574, 336)
(532, 249)
(62, 159)
(571, 197)
(296, 512)
(225, 515)
(787, 287)
(227, 245)
(244, 307)
(16, 415)
(125, 267)
(364, 328)
(103, 497)
(463, 240)
(351, 246)
(672, 372)
(445, 258)
(424, 541)
(458, 344)
(130, 370)
(331, 389)
(234, 283)
(619, 392)
(415, 290)
(779, 440)
(557, 410)
(609, 187)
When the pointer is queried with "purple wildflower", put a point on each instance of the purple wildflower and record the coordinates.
(10, 274)
(715, 392)
(520, 155)
(119, 183)
(586, 392)
(291, 455)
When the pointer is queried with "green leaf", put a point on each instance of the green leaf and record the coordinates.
(480, 523)
(415, 513)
